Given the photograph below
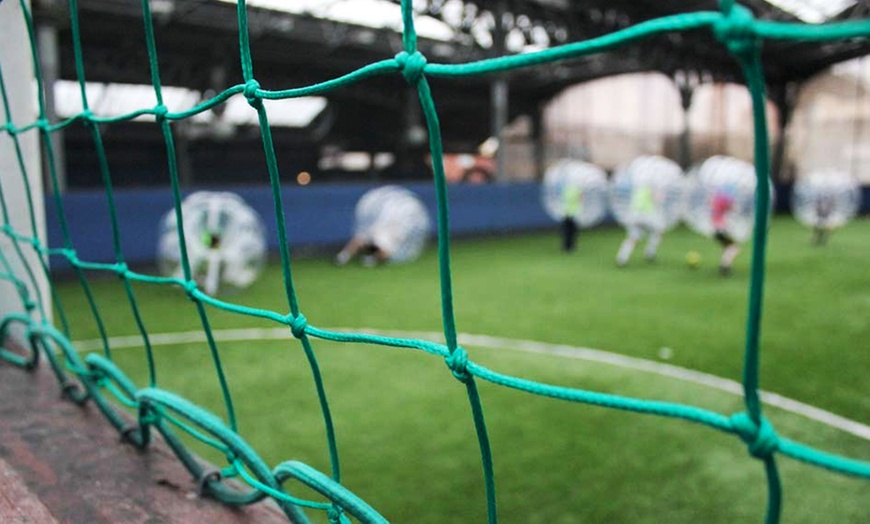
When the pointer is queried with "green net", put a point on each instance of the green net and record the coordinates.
(96, 378)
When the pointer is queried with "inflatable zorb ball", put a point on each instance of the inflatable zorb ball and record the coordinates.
(648, 192)
(721, 197)
(225, 238)
(393, 219)
(576, 189)
(826, 199)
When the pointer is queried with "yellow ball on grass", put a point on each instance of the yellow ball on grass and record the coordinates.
(693, 259)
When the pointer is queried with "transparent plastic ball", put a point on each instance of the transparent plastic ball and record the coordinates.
(826, 199)
(225, 240)
(577, 189)
(649, 192)
(721, 197)
(395, 220)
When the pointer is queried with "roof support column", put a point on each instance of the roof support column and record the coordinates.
(686, 82)
(185, 133)
(858, 128)
(499, 94)
(49, 58)
(182, 156)
(538, 145)
(499, 97)
(785, 97)
(412, 145)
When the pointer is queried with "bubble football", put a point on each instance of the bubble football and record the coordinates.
(721, 198)
(394, 220)
(826, 199)
(648, 192)
(225, 240)
(577, 189)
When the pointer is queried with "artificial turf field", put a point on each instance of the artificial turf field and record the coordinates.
(403, 422)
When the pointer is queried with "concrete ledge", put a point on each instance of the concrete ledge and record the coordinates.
(63, 463)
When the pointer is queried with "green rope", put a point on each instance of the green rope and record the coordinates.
(107, 183)
(97, 378)
(33, 240)
(298, 322)
(189, 283)
(4, 209)
(52, 170)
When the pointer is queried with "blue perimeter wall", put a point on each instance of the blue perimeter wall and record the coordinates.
(315, 215)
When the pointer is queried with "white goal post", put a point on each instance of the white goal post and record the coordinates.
(17, 66)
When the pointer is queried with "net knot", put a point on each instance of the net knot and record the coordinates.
(457, 361)
(160, 112)
(86, 115)
(736, 28)
(250, 92)
(10, 129)
(761, 438)
(411, 66)
(148, 416)
(298, 325)
(121, 268)
(43, 124)
(190, 288)
(335, 515)
(71, 255)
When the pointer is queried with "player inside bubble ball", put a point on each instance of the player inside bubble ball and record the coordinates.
(225, 244)
(824, 200)
(824, 208)
(572, 197)
(645, 220)
(375, 247)
(390, 225)
(722, 203)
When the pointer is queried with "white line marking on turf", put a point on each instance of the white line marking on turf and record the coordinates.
(530, 346)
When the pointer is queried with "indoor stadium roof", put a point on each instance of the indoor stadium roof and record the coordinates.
(301, 42)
